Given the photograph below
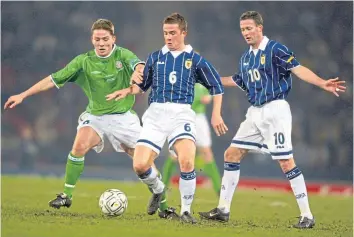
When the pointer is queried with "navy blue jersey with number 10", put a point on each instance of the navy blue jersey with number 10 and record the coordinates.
(265, 73)
(172, 76)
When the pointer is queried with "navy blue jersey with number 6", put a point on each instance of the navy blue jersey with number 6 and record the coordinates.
(172, 76)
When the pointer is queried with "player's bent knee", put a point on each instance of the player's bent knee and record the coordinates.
(140, 167)
(143, 159)
(234, 154)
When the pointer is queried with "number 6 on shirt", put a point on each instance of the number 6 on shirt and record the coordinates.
(172, 77)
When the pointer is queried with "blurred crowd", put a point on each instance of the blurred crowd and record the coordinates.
(39, 38)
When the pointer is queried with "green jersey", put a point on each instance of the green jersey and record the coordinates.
(99, 76)
(199, 92)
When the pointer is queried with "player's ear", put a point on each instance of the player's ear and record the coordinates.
(114, 38)
(184, 33)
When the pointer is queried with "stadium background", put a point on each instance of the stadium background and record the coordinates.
(38, 38)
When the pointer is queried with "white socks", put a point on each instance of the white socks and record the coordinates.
(232, 175)
(187, 185)
(228, 185)
(151, 179)
(298, 186)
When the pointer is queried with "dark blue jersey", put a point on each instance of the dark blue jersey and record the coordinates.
(172, 76)
(265, 73)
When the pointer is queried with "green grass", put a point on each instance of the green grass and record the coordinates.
(25, 212)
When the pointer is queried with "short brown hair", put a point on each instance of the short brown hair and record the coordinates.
(253, 15)
(176, 18)
(103, 24)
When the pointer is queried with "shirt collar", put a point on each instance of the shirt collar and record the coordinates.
(187, 49)
(262, 45)
(114, 47)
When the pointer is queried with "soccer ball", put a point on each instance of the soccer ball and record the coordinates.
(113, 202)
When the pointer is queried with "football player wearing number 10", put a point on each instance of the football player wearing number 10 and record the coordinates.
(265, 74)
(172, 73)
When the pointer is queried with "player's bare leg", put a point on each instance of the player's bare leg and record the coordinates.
(297, 183)
(142, 163)
(130, 153)
(232, 159)
(185, 149)
(210, 168)
(85, 139)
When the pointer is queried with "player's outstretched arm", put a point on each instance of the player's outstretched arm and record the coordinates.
(228, 81)
(40, 86)
(121, 94)
(331, 85)
(217, 122)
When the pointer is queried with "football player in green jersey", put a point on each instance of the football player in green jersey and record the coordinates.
(203, 141)
(98, 72)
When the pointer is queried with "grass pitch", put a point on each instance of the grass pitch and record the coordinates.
(25, 212)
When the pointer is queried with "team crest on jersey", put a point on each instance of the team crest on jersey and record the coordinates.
(263, 59)
(119, 65)
(188, 63)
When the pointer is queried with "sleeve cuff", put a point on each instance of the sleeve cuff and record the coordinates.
(56, 85)
(141, 88)
(140, 62)
(295, 66)
(221, 93)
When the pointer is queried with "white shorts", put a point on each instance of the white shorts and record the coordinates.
(203, 131)
(267, 129)
(116, 128)
(169, 121)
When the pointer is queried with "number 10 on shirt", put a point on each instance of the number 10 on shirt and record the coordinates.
(254, 74)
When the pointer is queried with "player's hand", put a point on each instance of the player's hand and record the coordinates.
(334, 86)
(117, 95)
(137, 76)
(13, 101)
(218, 124)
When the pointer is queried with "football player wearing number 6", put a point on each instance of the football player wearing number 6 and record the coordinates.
(172, 72)
(265, 74)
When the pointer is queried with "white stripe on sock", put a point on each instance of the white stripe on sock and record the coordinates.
(75, 159)
(69, 186)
